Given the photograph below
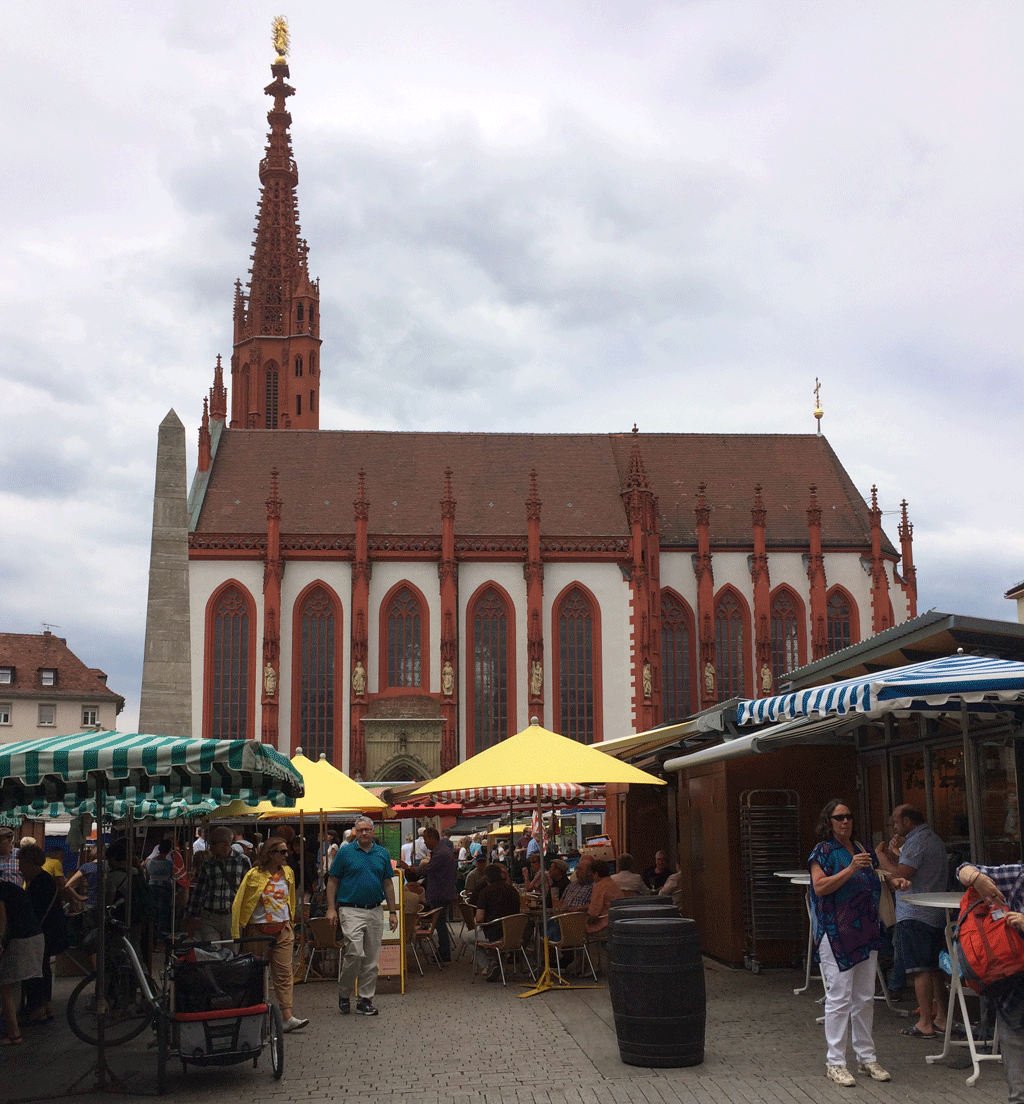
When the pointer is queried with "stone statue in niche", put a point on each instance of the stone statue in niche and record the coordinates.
(269, 680)
(536, 678)
(709, 678)
(447, 679)
(766, 679)
(648, 682)
(359, 680)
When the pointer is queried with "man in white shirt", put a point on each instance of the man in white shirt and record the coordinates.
(625, 878)
(199, 843)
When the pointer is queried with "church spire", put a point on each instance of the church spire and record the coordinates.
(274, 370)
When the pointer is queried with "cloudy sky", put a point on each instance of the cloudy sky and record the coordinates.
(537, 215)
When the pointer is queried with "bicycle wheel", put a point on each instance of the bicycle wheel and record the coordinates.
(276, 1043)
(128, 1013)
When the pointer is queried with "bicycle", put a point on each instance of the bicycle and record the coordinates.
(134, 1002)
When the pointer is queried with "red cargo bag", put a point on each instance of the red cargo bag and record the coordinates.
(991, 952)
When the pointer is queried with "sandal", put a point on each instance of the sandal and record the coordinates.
(11, 1040)
(916, 1033)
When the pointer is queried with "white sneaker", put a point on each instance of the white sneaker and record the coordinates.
(840, 1075)
(874, 1070)
(293, 1023)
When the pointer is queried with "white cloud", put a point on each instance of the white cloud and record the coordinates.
(525, 216)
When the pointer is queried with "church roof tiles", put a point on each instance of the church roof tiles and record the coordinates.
(579, 479)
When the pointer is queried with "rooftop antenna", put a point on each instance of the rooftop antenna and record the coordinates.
(49, 628)
(818, 412)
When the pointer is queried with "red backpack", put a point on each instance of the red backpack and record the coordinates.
(991, 952)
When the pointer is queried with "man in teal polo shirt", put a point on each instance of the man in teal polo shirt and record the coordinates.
(359, 877)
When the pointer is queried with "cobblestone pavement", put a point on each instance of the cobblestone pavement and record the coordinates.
(448, 1041)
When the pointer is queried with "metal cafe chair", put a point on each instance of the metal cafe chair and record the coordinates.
(323, 939)
(423, 935)
(513, 928)
(572, 936)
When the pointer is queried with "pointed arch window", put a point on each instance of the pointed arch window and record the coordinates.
(838, 621)
(729, 646)
(271, 397)
(298, 363)
(229, 663)
(578, 674)
(404, 634)
(676, 661)
(785, 634)
(312, 356)
(317, 675)
(298, 313)
(490, 628)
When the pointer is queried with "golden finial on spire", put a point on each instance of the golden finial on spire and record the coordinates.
(818, 412)
(281, 42)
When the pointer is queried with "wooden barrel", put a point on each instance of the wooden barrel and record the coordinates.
(656, 980)
(637, 908)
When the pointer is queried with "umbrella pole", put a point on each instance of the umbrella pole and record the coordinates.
(549, 979)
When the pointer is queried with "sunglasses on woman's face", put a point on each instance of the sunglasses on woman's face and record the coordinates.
(843, 816)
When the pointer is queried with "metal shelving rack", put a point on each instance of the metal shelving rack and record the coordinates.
(770, 841)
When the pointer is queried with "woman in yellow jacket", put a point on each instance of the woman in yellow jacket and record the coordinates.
(265, 905)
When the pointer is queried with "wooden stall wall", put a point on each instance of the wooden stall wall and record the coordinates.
(709, 829)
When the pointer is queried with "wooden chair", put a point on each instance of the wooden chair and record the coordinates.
(572, 936)
(323, 938)
(512, 930)
(423, 935)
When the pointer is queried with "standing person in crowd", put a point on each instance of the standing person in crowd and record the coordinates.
(22, 957)
(160, 872)
(844, 895)
(626, 876)
(45, 895)
(208, 916)
(265, 905)
(439, 873)
(199, 843)
(9, 871)
(657, 875)
(920, 932)
(360, 878)
(420, 851)
(407, 849)
(1003, 887)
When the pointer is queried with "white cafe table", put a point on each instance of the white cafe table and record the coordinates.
(950, 902)
(803, 878)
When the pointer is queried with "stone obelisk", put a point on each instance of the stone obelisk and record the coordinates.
(166, 705)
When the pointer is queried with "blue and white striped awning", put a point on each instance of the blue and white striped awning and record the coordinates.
(159, 776)
(938, 685)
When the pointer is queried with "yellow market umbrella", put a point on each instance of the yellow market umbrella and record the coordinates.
(535, 760)
(328, 790)
(535, 757)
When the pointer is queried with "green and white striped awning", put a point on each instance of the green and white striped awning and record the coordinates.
(152, 776)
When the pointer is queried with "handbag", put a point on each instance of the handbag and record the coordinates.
(886, 905)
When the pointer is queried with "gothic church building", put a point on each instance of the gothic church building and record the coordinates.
(400, 601)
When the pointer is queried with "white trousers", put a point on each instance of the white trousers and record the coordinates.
(849, 1006)
(363, 930)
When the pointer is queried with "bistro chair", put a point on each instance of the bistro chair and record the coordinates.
(572, 931)
(323, 940)
(424, 935)
(512, 931)
(468, 914)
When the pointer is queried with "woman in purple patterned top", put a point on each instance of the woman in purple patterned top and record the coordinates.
(844, 895)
